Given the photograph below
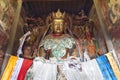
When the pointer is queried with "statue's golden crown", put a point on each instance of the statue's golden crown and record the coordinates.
(58, 15)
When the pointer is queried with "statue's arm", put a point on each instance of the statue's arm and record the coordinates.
(42, 52)
(45, 53)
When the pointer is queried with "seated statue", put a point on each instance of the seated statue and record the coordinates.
(59, 47)
(58, 43)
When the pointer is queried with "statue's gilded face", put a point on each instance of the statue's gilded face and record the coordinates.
(58, 26)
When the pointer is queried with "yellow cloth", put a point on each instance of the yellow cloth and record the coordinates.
(9, 68)
(113, 65)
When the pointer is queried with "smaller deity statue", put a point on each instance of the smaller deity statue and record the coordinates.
(89, 42)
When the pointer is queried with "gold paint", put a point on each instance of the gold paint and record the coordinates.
(58, 26)
(58, 15)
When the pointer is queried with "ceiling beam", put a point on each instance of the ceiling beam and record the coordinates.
(46, 0)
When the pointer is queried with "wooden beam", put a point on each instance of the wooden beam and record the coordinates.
(46, 0)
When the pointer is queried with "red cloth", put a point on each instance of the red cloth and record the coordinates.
(25, 66)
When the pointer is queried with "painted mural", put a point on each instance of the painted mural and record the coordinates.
(7, 15)
(111, 14)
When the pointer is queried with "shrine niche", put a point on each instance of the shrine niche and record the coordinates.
(85, 29)
(79, 27)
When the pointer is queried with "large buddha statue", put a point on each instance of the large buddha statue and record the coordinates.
(60, 48)
(58, 43)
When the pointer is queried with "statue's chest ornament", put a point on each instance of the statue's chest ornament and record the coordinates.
(58, 46)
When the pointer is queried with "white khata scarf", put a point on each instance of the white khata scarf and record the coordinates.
(92, 70)
(73, 71)
(42, 70)
(86, 57)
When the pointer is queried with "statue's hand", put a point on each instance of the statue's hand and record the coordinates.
(73, 58)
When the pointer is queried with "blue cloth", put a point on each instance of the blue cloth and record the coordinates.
(105, 68)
